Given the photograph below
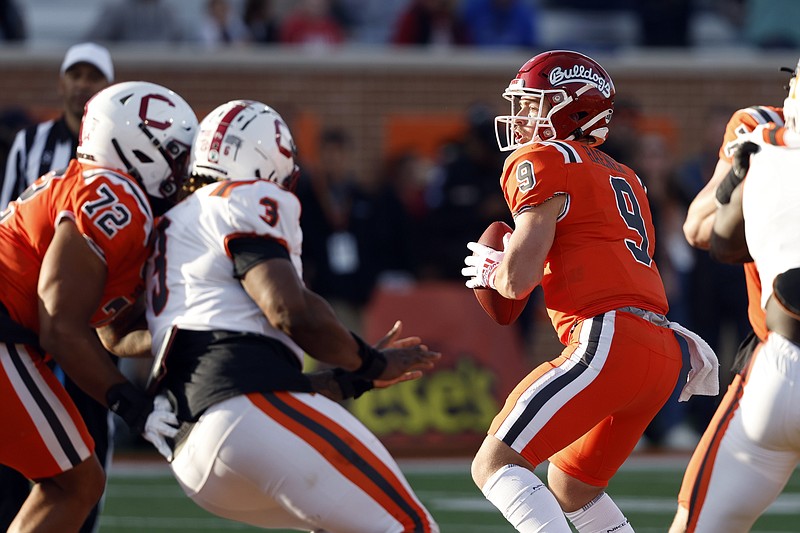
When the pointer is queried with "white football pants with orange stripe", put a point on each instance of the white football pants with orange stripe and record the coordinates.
(760, 448)
(296, 460)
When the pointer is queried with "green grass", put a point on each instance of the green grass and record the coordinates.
(144, 498)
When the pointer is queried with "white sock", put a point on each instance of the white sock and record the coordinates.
(525, 502)
(600, 515)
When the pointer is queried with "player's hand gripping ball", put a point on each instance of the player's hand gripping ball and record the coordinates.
(481, 264)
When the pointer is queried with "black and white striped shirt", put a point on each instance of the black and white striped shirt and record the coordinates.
(36, 151)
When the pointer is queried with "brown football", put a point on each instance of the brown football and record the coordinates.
(503, 310)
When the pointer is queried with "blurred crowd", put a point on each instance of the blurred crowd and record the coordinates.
(411, 222)
(573, 24)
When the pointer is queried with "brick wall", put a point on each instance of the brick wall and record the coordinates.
(361, 89)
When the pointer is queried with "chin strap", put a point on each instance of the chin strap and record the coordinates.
(130, 169)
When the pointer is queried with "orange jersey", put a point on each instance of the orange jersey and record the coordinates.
(744, 121)
(109, 209)
(758, 319)
(602, 255)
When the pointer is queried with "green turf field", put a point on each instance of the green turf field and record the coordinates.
(145, 498)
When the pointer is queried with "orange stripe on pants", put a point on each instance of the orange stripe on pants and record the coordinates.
(697, 477)
(351, 458)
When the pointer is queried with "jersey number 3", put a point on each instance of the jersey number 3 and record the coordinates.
(631, 213)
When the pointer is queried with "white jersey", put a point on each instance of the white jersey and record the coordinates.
(761, 444)
(771, 210)
(190, 276)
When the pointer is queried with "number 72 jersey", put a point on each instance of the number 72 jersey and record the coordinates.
(602, 254)
(107, 207)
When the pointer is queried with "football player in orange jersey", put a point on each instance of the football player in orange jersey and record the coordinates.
(74, 245)
(583, 230)
(698, 228)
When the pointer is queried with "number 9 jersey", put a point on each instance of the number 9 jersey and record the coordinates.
(111, 212)
(602, 254)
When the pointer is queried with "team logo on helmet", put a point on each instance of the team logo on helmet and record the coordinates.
(579, 73)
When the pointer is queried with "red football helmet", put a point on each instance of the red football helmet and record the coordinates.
(557, 95)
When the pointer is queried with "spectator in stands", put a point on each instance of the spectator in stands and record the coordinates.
(624, 144)
(142, 21)
(663, 23)
(718, 295)
(12, 23)
(222, 26)
(655, 162)
(589, 24)
(462, 201)
(409, 173)
(86, 69)
(372, 20)
(312, 24)
(772, 24)
(261, 21)
(509, 23)
(431, 23)
(352, 233)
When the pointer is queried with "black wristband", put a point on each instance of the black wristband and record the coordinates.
(351, 385)
(130, 403)
(373, 361)
(726, 187)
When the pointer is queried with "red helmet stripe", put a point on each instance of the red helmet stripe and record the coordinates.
(224, 124)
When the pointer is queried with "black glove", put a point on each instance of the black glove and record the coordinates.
(740, 164)
(350, 384)
(131, 404)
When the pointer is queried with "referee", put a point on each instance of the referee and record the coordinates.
(87, 68)
(38, 149)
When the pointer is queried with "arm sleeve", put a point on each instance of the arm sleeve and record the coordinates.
(247, 252)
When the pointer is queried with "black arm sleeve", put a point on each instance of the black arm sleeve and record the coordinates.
(247, 252)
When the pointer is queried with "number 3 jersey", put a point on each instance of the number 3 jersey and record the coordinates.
(109, 209)
(602, 255)
(191, 282)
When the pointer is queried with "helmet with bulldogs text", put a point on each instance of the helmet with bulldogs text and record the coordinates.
(577, 91)
(791, 105)
(143, 129)
(245, 139)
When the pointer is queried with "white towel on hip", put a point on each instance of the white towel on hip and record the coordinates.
(704, 375)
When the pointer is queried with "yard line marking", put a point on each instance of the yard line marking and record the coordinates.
(144, 491)
(786, 504)
(161, 523)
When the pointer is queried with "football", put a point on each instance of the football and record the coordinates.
(502, 310)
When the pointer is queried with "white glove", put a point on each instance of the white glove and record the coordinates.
(766, 134)
(161, 424)
(771, 133)
(482, 263)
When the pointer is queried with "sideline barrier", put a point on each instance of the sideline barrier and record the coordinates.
(447, 412)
